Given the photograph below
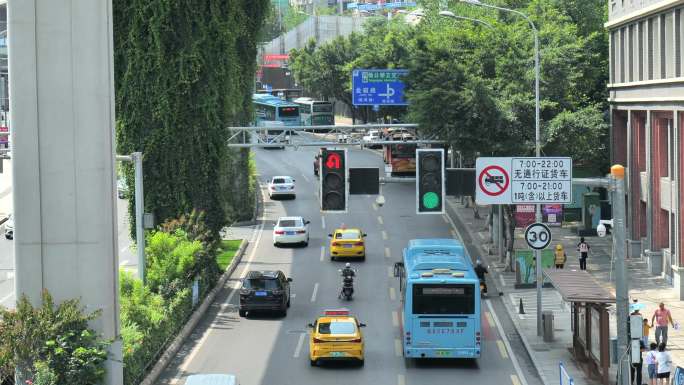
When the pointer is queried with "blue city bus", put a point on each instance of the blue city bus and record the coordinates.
(268, 109)
(440, 300)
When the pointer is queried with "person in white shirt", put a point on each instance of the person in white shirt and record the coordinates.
(663, 365)
(650, 362)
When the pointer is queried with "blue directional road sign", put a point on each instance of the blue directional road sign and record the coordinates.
(378, 87)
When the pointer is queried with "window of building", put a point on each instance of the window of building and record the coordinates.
(650, 50)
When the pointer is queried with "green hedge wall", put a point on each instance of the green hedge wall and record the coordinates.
(184, 71)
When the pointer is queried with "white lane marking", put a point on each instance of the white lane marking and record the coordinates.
(306, 179)
(315, 291)
(380, 221)
(490, 320)
(393, 294)
(481, 236)
(188, 359)
(503, 283)
(323, 222)
(322, 253)
(398, 350)
(390, 272)
(444, 217)
(300, 343)
(375, 207)
(387, 252)
(401, 380)
(395, 319)
(515, 380)
(5, 298)
(454, 234)
(384, 235)
(514, 359)
(502, 349)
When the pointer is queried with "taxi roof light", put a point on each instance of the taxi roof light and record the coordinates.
(343, 312)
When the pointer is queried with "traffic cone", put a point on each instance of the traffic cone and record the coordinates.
(520, 307)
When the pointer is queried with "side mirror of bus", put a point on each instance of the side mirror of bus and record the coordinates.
(398, 268)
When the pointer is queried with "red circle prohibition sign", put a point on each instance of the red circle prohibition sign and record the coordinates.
(497, 183)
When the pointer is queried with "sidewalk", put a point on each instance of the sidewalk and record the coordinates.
(648, 289)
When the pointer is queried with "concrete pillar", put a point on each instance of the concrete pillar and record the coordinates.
(62, 102)
(649, 191)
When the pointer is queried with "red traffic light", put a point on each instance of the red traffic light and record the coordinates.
(333, 161)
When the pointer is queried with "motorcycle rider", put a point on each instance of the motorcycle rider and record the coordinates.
(480, 271)
(347, 281)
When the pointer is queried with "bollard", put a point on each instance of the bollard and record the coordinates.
(520, 307)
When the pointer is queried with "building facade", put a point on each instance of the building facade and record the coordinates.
(646, 93)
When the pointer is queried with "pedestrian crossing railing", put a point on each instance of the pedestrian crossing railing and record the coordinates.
(564, 377)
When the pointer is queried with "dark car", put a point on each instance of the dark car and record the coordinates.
(265, 290)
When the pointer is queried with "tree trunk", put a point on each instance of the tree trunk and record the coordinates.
(509, 234)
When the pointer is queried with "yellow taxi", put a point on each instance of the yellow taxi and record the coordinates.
(347, 243)
(336, 336)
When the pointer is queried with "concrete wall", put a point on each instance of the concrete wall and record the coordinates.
(320, 28)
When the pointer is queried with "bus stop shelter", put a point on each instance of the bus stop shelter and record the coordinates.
(590, 326)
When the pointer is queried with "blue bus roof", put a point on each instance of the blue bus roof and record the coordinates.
(272, 100)
(211, 379)
(425, 255)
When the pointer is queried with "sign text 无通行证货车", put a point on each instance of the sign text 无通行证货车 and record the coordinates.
(541, 180)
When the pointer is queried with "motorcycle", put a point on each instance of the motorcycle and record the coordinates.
(347, 286)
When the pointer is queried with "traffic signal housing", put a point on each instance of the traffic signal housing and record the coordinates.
(334, 190)
(430, 181)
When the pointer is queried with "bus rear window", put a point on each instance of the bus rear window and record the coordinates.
(322, 107)
(443, 299)
(288, 112)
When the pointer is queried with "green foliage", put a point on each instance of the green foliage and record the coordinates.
(582, 133)
(52, 344)
(183, 73)
(171, 261)
(227, 252)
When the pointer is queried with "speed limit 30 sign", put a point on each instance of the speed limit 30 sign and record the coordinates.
(538, 236)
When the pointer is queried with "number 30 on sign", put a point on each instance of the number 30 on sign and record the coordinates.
(538, 236)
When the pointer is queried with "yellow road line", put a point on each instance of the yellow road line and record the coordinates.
(322, 252)
(387, 252)
(390, 272)
(398, 350)
(380, 221)
(401, 380)
(502, 349)
(393, 294)
(490, 320)
(384, 235)
(395, 319)
(515, 380)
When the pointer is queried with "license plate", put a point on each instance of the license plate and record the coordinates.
(337, 354)
(348, 246)
(261, 293)
(290, 233)
(443, 353)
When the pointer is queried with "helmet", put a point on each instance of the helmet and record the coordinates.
(478, 262)
(559, 247)
(348, 264)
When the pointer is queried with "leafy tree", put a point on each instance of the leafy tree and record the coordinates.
(52, 344)
(171, 262)
(583, 134)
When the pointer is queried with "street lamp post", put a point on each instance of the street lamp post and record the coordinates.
(454, 16)
(537, 142)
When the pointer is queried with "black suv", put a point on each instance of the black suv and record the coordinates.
(265, 290)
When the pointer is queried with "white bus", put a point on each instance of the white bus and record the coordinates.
(315, 112)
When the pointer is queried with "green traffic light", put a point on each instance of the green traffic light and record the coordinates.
(430, 200)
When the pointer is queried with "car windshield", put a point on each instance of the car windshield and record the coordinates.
(289, 223)
(348, 235)
(344, 327)
(280, 180)
(260, 284)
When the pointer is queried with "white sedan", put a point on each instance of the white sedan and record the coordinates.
(281, 186)
(291, 230)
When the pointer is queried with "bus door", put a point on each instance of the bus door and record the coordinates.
(444, 316)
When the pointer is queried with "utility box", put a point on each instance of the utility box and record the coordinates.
(547, 321)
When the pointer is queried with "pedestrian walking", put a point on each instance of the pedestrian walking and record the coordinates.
(646, 332)
(583, 248)
(663, 365)
(650, 363)
(661, 317)
(560, 257)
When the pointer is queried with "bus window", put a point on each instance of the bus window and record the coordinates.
(443, 299)
(322, 107)
(288, 112)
